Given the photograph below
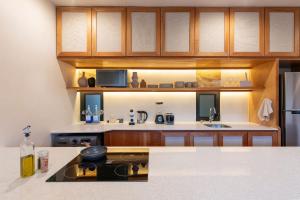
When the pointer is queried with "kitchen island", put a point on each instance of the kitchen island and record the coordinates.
(175, 173)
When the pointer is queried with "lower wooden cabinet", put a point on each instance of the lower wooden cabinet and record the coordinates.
(263, 138)
(132, 138)
(204, 139)
(177, 138)
(191, 138)
(228, 138)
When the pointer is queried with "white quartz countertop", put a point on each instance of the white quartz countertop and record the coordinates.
(193, 126)
(175, 173)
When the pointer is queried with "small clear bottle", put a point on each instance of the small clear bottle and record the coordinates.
(27, 155)
(88, 115)
(96, 115)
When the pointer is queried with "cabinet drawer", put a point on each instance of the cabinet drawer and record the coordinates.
(232, 138)
(175, 139)
(263, 138)
(204, 139)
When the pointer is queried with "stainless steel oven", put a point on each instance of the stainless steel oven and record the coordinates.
(76, 139)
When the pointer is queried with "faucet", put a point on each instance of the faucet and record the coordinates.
(212, 113)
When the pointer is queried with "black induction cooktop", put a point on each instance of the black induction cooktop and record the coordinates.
(116, 166)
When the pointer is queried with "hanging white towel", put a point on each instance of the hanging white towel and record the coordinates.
(265, 110)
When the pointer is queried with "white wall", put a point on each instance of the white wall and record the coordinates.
(233, 105)
(32, 84)
(182, 104)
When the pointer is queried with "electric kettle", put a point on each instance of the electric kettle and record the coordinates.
(142, 116)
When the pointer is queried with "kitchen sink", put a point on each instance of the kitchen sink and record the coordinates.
(217, 125)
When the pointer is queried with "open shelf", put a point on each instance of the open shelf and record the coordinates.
(221, 89)
(164, 63)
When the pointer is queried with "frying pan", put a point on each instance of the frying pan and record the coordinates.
(93, 153)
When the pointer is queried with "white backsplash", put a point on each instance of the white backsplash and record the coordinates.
(234, 106)
(182, 104)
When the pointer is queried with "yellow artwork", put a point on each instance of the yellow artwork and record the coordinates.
(208, 78)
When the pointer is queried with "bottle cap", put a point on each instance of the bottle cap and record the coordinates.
(26, 131)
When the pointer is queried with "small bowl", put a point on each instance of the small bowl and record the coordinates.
(152, 86)
(166, 85)
(179, 84)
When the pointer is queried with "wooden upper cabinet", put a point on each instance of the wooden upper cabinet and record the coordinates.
(246, 31)
(177, 31)
(282, 31)
(212, 32)
(108, 31)
(73, 31)
(143, 32)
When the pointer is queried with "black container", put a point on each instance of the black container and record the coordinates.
(159, 119)
(170, 118)
(92, 82)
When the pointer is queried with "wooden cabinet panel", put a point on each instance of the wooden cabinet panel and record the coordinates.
(193, 138)
(282, 31)
(204, 139)
(132, 138)
(246, 31)
(212, 32)
(229, 138)
(73, 31)
(108, 31)
(178, 138)
(177, 31)
(263, 138)
(143, 32)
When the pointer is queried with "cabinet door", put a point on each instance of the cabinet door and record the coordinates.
(143, 32)
(177, 31)
(232, 138)
(212, 32)
(262, 138)
(73, 31)
(204, 139)
(246, 31)
(175, 138)
(108, 31)
(132, 138)
(282, 32)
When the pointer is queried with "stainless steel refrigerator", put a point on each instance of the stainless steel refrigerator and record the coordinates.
(290, 105)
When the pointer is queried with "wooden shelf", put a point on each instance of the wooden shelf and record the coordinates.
(163, 63)
(221, 89)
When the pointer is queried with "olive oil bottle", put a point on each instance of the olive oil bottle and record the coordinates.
(27, 164)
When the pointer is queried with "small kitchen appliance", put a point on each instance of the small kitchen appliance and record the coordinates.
(123, 165)
(159, 117)
(142, 116)
(170, 118)
(131, 115)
